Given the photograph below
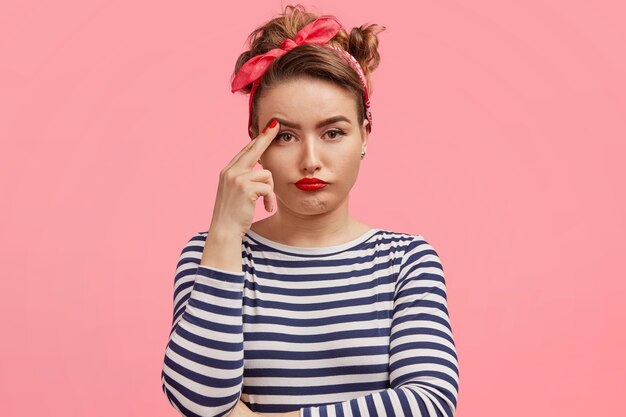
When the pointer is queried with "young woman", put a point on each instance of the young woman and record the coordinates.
(309, 312)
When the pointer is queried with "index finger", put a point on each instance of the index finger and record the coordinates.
(251, 155)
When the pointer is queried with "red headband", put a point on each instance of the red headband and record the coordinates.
(317, 32)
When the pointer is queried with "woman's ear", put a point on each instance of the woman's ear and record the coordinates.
(364, 134)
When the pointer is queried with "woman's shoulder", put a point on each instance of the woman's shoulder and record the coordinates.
(399, 234)
(408, 242)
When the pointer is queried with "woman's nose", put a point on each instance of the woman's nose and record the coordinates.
(310, 161)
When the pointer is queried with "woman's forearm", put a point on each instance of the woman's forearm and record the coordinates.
(203, 365)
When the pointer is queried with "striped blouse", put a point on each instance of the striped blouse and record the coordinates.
(356, 329)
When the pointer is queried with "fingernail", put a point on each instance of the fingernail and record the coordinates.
(271, 124)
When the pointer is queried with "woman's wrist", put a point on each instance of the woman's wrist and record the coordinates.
(289, 414)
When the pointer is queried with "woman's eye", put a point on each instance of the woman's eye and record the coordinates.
(334, 134)
(287, 137)
(280, 136)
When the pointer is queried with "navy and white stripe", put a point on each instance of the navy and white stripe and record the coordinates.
(358, 329)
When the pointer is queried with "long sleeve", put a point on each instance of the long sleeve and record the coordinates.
(202, 371)
(423, 365)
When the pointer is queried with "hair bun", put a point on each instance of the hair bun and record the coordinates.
(363, 46)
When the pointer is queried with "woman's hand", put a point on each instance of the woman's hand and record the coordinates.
(240, 186)
(241, 410)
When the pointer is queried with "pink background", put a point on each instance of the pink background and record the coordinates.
(499, 135)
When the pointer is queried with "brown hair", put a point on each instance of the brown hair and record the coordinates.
(313, 61)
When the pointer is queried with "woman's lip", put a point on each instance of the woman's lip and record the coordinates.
(310, 181)
(312, 186)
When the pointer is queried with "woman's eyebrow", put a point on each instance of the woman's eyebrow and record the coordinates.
(321, 123)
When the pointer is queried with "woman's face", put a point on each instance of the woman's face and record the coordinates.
(311, 144)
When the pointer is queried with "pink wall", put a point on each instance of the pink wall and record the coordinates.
(499, 135)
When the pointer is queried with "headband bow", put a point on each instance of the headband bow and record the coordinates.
(318, 32)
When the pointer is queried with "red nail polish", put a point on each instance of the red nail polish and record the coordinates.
(272, 123)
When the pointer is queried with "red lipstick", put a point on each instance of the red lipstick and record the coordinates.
(310, 184)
